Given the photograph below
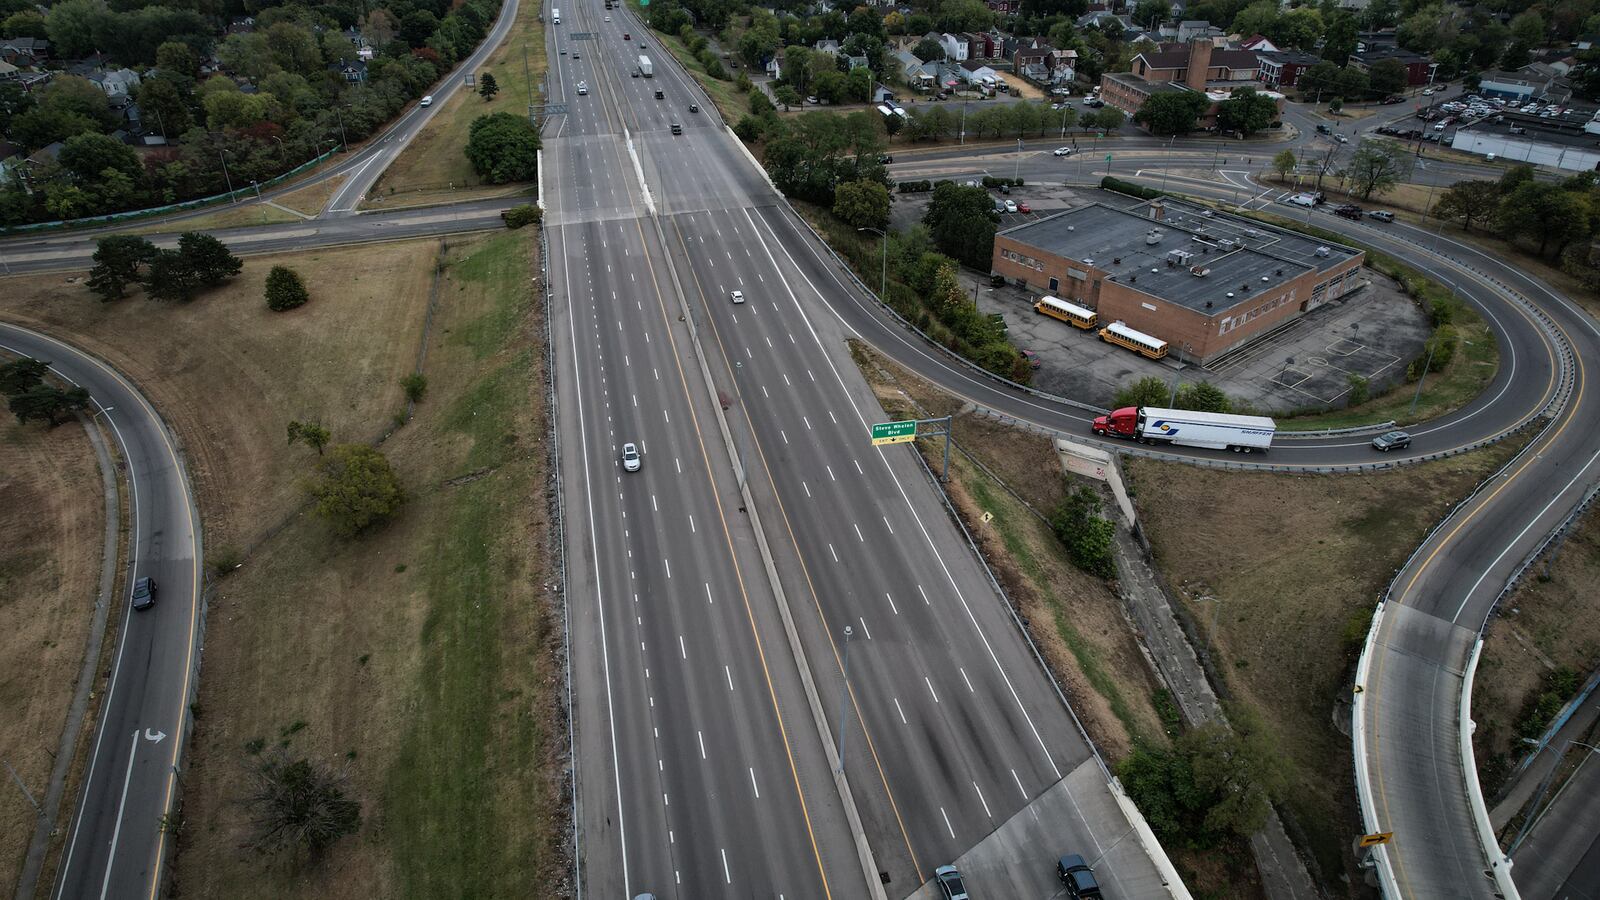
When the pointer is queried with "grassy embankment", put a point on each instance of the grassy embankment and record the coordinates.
(423, 656)
(52, 532)
(433, 168)
(1280, 575)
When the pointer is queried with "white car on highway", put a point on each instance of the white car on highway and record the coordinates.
(736, 296)
(630, 457)
(1063, 151)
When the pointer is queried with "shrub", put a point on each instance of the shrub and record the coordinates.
(1086, 534)
(415, 385)
(1127, 187)
(285, 289)
(524, 214)
(356, 489)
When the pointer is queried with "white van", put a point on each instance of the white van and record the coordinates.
(555, 15)
(1303, 200)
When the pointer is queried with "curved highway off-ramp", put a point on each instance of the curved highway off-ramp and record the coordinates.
(116, 840)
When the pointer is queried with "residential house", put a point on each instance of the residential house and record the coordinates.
(974, 72)
(830, 47)
(956, 47)
(1259, 43)
(8, 72)
(1282, 68)
(856, 62)
(1218, 65)
(1587, 42)
(1419, 68)
(1006, 7)
(353, 71)
(1103, 19)
(46, 154)
(1188, 30)
(24, 52)
(118, 84)
(242, 25)
(774, 65)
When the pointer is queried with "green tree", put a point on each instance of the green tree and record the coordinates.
(414, 384)
(1377, 166)
(488, 87)
(1387, 77)
(1547, 213)
(1089, 537)
(1147, 391)
(22, 375)
(1150, 13)
(1214, 783)
(1203, 396)
(1319, 78)
(1352, 84)
(1257, 18)
(1284, 163)
(48, 403)
(116, 264)
(1529, 28)
(862, 204)
(759, 104)
(285, 289)
(1340, 37)
(1172, 112)
(928, 50)
(311, 434)
(786, 95)
(1246, 111)
(356, 489)
(1469, 202)
(1107, 119)
(175, 59)
(296, 805)
(86, 157)
(208, 257)
(962, 223)
(171, 276)
(1299, 28)
(503, 147)
(165, 106)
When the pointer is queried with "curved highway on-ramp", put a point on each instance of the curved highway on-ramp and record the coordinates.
(116, 844)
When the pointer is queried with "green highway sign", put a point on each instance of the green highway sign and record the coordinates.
(894, 432)
(1108, 157)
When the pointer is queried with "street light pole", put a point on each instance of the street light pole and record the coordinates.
(223, 155)
(844, 691)
(1421, 377)
(1016, 170)
(1168, 167)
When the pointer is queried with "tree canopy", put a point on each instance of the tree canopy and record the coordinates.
(1172, 112)
(1247, 111)
(503, 147)
(962, 222)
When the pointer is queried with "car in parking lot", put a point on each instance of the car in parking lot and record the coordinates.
(1062, 151)
(950, 885)
(1391, 440)
(630, 457)
(1032, 358)
(1023, 207)
(144, 593)
(1078, 877)
(736, 296)
(1011, 206)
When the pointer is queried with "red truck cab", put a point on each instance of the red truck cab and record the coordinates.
(1120, 423)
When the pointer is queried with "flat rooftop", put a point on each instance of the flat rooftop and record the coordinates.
(1238, 252)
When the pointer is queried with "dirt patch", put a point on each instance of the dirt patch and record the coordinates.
(228, 374)
(1551, 622)
(1280, 574)
(424, 657)
(52, 533)
(1075, 619)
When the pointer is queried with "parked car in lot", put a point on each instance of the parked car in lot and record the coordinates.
(1391, 440)
(1024, 207)
(1390, 101)
(144, 593)
(1011, 206)
(1381, 215)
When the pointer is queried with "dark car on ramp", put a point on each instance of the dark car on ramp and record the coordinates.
(144, 593)
(1078, 877)
(1392, 440)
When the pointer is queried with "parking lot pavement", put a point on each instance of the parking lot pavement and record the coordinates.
(1373, 332)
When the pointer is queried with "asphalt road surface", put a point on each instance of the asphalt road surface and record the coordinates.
(115, 844)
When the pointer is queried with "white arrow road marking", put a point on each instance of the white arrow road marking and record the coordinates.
(154, 736)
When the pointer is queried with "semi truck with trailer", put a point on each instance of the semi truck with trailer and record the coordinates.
(1188, 428)
(645, 68)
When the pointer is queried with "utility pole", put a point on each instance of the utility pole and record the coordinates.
(223, 155)
(1421, 377)
(844, 691)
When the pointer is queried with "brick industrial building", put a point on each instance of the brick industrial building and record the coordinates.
(1205, 282)
(1198, 67)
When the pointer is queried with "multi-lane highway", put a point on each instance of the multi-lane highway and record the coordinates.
(115, 843)
(710, 591)
(689, 690)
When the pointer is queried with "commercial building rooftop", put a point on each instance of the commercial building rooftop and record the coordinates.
(1192, 257)
(1563, 132)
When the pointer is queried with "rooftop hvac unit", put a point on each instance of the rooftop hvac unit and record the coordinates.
(1323, 251)
(1227, 244)
(1199, 272)
(1153, 236)
(1180, 257)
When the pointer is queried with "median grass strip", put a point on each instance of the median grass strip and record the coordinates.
(423, 657)
(52, 531)
(232, 216)
(1280, 573)
(433, 168)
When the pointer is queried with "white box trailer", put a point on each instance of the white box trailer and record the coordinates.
(645, 68)
(1188, 428)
